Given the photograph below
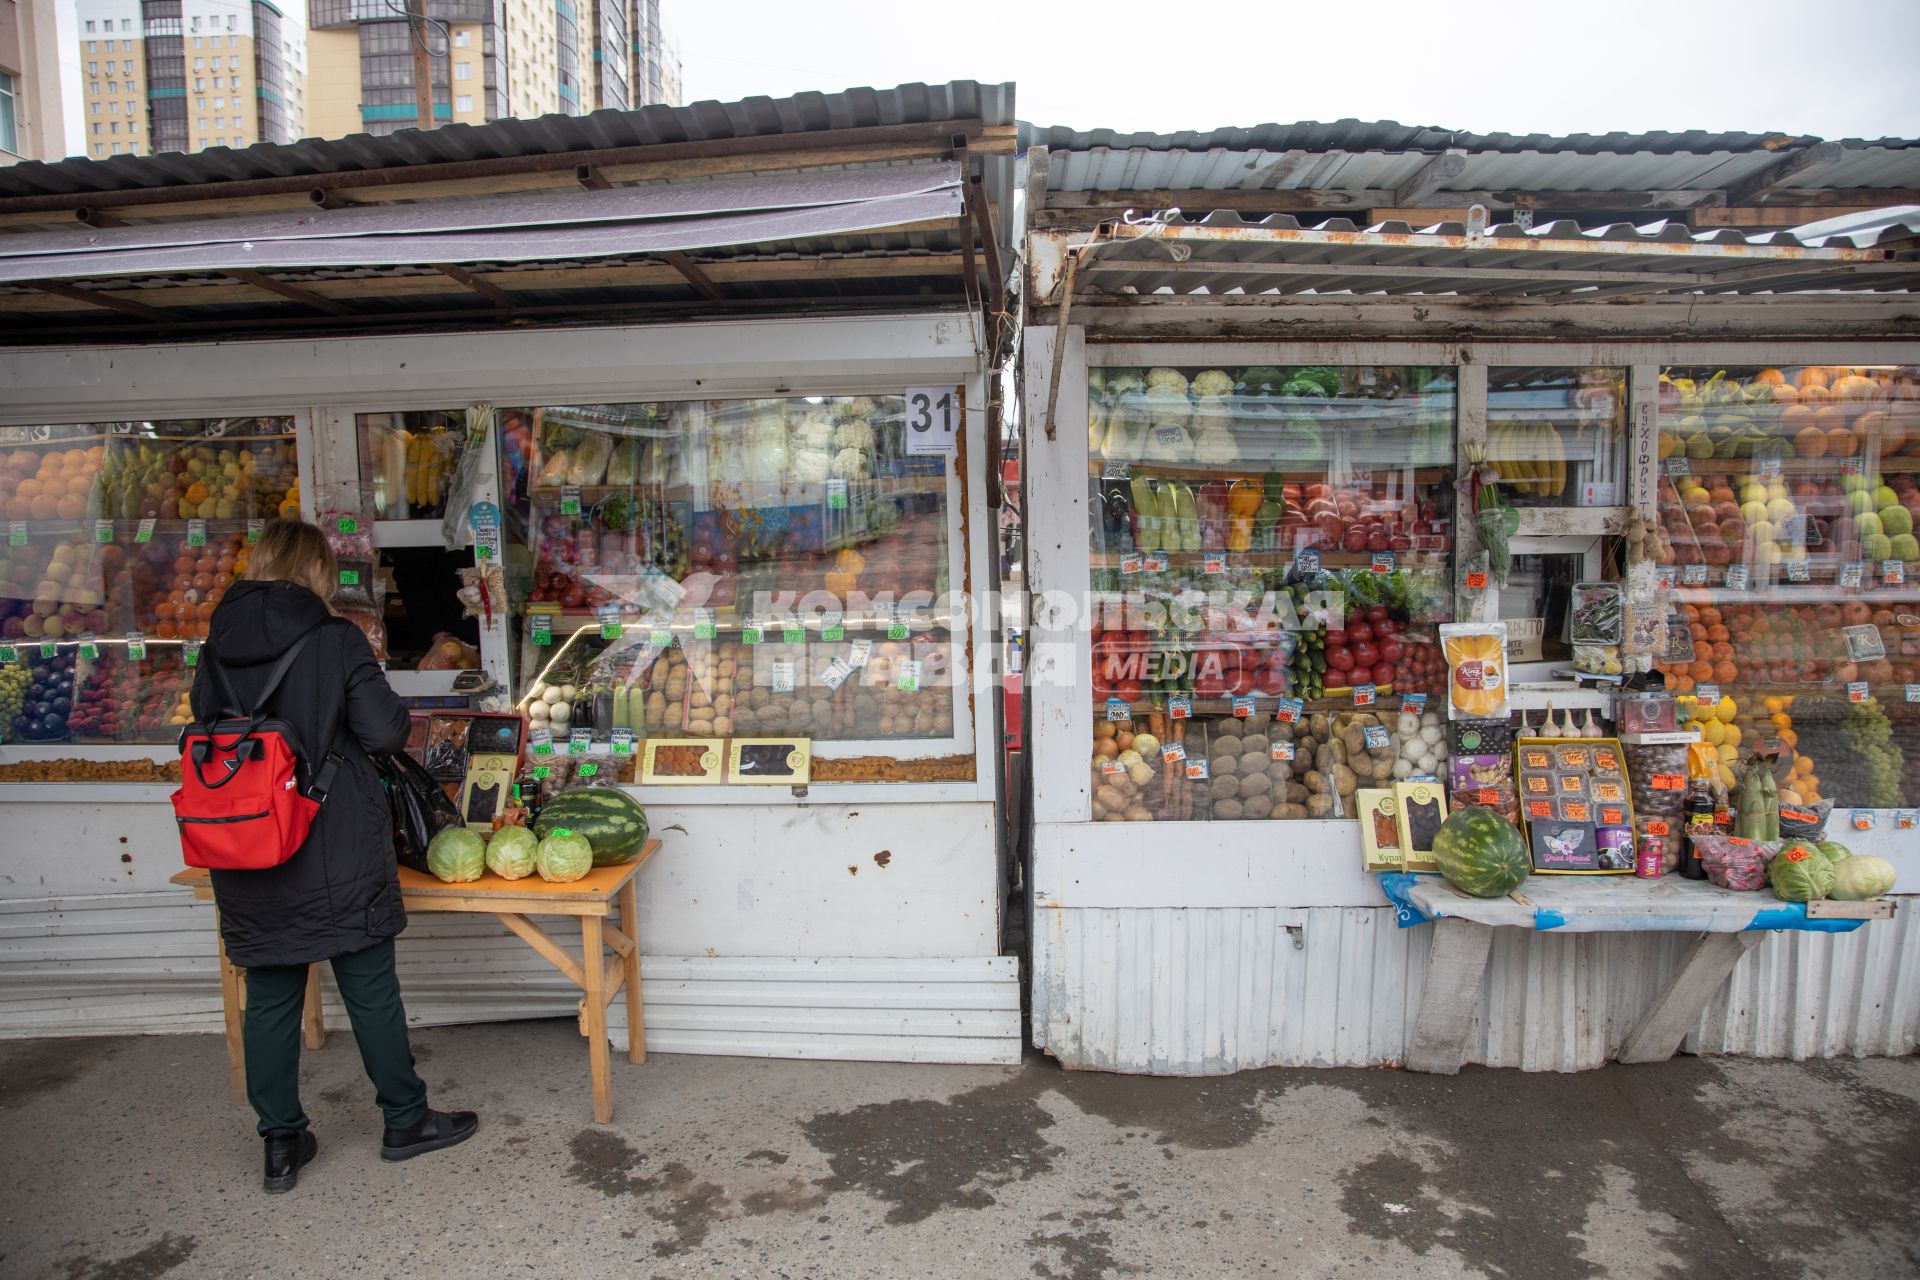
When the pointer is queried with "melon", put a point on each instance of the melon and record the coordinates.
(610, 820)
(1479, 852)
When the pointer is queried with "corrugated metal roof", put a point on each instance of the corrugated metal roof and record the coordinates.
(648, 126)
(1279, 255)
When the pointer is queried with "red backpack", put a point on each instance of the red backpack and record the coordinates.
(240, 805)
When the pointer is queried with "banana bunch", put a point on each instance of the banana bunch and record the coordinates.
(1530, 456)
(425, 474)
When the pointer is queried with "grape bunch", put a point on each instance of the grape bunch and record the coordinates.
(13, 696)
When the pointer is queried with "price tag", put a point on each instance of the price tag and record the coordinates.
(103, 531)
(1179, 708)
(836, 494)
(1905, 820)
(1678, 465)
(540, 740)
(190, 653)
(1864, 642)
(1693, 575)
(1799, 571)
(896, 626)
(1119, 709)
(1767, 467)
(89, 647)
(348, 577)
(1111, 767)
(1214, 563)
(1540, 808)
(9, 654)
(1172, 752)
(16, 533)
(587, 769)
(608, 616)
(1114, 469)
(1576, 810)
(1852, 466)
(836, 673)
(256, 527)
(1669, 782)
(1486, 796)
(1414, 702)
(1243, 707)
(1663, 578)
(1736, 578)
(196, 533)
(1852, 573)
(1376, 737)
(1288, 711)
(1196, 770)
(1913, 693)
(1863, 819)
(1307, 560)
(623, 742)
(569, 499)
(1130, 564)
(1156, 562)
(1363, 695)
(749, 631)
(1280, 751)
(578, 740)
(48, 649)
(145, 532)
(793, 635)
(347, 524)
(1893, 573)
(1383, 562)
(1857, 691)
(1658, 827)
(659, 638)
(540, 628)
(833, 627)
(1476, 581)
(703, 624)
(1706, 693)
(909, 680)
(858, 652)
(783, 675)
(541, 772)
(1167, 436)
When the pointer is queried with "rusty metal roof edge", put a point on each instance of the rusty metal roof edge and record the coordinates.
(1354, 135)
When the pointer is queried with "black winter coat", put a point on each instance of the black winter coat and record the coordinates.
(339, 893)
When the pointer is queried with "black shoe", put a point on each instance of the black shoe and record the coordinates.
(287, 1151)
(433, 1132)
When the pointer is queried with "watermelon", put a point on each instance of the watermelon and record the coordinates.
(1481, 853)
(611, 820)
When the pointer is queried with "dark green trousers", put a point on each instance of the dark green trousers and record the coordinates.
(371, 989)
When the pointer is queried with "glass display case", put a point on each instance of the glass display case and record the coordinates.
(408, 459)
(1558, 435)
(122, 538)
(713, 569)
(1788, 497)
(1271, 551)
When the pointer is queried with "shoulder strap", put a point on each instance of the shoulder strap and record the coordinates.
(274, 678)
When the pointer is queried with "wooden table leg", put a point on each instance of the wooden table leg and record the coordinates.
(636, 1018)
(233, 995)
(1657, 1036)
(314, 1017)
(1449, 996)
(594, 971)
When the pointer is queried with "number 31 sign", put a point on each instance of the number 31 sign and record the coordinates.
(933, 419)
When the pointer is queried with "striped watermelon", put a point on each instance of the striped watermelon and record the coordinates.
(611, 820)
(1480, 853)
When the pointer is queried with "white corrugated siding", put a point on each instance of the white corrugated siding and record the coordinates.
(145, 963)
(1203, 991)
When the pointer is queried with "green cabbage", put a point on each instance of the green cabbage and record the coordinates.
(1862, 879)
(510, 853)
(1834, 851)
(561, 858)
(1800, 874)
(457, 855)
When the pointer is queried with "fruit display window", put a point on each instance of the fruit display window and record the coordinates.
(122, 539)
(1271, 549)
(1787, 502)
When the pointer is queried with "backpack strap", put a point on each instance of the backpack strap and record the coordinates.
(274, 678)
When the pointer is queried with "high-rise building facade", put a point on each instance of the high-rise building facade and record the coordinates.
(488, 59)
(32, 123)
(183, 75)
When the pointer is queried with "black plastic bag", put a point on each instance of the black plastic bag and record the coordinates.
(421, 810)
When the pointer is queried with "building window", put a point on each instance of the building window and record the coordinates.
(113, 108)
(126, 46)
(199, 104)
(219, 122)
(200, 126)
(463, 71)
(199, 64)
(229, 22)
(95, 106)
(113, 86)
(126, 68)
(126, 24)
(233, 63)
(199, 84)
(199, 42)
(462, 38)
(89, 28)
(9, 128)
(218, 81)
(93, 68)
(195, 24)
(96, 128)
(99, 148)
(115, 127)
(116, 148)
(464, 102)
(219, 103)
(94, 88)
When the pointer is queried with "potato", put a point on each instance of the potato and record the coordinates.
(1254, 761)
(1297, 793)
(1361, 766)
(1319, 806)
(1281, 772)
(700, 728)
(1354, 739)
(1344, 779)
(1111, 797)
(1225, 787)
(1317, 782)
(1256, 807)
(1223, 764)
(1328, 756)
(1318, 723)
(1290, 812)
(1255, 784)
(1138, 813)
(1228, 809)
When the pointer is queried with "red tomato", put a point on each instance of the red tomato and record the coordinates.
(1358, 633)
(1383, 673)
(1392, 651)
(1365, 655)
(1339, 659)
(1377, 614)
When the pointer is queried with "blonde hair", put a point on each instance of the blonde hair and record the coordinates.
(297, 552)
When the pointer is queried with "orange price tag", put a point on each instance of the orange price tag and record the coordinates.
(1539, 809)
(1487, 797)
(1536, 760)
(1656, 827)
(1669, 782)
(1476, 581)
(1613, 817)
(1576, 810)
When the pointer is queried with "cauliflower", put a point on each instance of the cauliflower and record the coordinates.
(1214, 446)
(812, 466)
(854, 434)
(1164, 404)
(1169, 442)
(814, 434)
(855, 408)
(851, 464)
(1172, 379)
(1212, 383)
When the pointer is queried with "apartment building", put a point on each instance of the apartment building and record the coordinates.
(31, 121)
(184, 75)
(489, 59)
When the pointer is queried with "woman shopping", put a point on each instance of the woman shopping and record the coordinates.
(337, 898)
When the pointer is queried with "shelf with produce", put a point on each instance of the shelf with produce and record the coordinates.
(1789, 464)
(1264, 704)
(727, 621)
(1436, 559)
(1310, 473)
(809, 491)
(1802, 593)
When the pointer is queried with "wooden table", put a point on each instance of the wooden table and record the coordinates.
(511, 902)
(1726, 925)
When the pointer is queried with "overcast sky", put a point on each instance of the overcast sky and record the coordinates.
(1837, 68)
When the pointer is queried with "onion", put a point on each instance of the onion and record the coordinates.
(561, 712)
(536, 711)
(552, 695)
(1140, 774)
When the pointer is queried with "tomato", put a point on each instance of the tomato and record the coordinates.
(1364, 654)
(1338, 659)
(1127, 689)
(1383, 673)
(1358, 633)
(1377, 614)
(1392, 651)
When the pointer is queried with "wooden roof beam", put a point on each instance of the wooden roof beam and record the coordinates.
(95, 298)
(460, 275)
(1781, 173)
(292, 293)
(693, 275)
(1432, 175)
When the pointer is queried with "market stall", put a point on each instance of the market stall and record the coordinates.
(729, 558)
(1442, 548)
